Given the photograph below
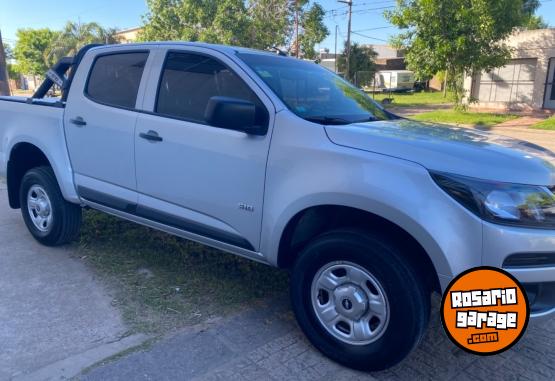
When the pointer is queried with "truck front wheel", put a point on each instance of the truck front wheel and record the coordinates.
(358, 300)
(49, 217)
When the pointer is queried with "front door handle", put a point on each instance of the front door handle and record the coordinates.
(151, 136)
(79, 121)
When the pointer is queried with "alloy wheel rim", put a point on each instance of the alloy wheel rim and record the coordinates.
(39, 208)
(350, 303)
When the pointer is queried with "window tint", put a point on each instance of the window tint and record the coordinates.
(190, 80)
(313, 92)
(115, 79)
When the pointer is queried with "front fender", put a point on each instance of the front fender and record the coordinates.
(315, 172)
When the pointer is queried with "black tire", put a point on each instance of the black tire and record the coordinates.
(408, 298)
(66, 217)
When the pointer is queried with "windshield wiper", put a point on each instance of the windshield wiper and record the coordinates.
(328, 120)
(365, 120)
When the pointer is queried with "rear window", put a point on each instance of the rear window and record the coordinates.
(114, 79)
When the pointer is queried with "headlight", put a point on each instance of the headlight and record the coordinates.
(502, 203)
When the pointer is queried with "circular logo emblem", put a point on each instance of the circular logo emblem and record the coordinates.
(485, 311)
(347, 304)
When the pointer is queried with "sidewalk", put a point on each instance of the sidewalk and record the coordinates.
(55, 317)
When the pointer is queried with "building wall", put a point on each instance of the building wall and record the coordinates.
(529, 46)
(128, 35)
(386, 51)
(436, 83)
(391, 64)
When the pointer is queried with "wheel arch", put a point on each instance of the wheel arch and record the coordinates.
(314, 220)
(23, 157)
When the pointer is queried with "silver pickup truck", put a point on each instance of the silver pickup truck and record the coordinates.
(283, 162)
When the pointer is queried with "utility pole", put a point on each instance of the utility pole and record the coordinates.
(350, 4)
(335, 53)
(297, 28)
(4, 84)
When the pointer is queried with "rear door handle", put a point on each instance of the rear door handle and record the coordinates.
(79, 121)
(151, 136)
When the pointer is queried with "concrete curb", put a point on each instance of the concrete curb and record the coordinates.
(72, 366)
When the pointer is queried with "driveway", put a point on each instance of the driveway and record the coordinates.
(55, 318)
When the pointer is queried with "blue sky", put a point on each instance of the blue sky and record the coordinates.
(367, 16)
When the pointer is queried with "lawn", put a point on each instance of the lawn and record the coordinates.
(414, 99)
(161, 282)
(476, 119)
(548, 124)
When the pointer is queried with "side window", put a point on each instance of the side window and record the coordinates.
(115, 78)
(190, 80)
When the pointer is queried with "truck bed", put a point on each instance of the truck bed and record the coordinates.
(52, 102)
(38, 122)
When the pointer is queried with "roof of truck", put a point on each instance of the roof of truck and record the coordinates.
(218, 47)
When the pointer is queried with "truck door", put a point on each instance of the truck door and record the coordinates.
(193, 176)
(100, 123)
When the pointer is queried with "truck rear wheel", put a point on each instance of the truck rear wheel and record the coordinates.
(49, 217)
(358, 300)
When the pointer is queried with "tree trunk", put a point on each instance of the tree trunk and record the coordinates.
(445, 85)
(4, 79)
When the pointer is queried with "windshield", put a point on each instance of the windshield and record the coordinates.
(313, 92)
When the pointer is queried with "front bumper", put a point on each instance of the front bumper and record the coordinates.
(500, 242)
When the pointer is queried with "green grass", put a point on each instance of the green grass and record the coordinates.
(161, 282)
(476, 119)
(414, 99)
(548, 124)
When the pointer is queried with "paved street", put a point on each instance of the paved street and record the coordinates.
(56, 320)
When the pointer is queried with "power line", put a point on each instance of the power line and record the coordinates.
(370, 37)
(369, 10)
(376, 3)
(379, 27)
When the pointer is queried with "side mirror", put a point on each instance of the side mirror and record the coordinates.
(233, 114)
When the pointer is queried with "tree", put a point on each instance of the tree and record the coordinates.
(31, 50)
(530, 20)
(195, 20)
(362, 60)
(314, 30)
(75, 35)
(263, 34)
(8, 51)
(457, 36)
(535, 22)
(12, 72)
(253, 23)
